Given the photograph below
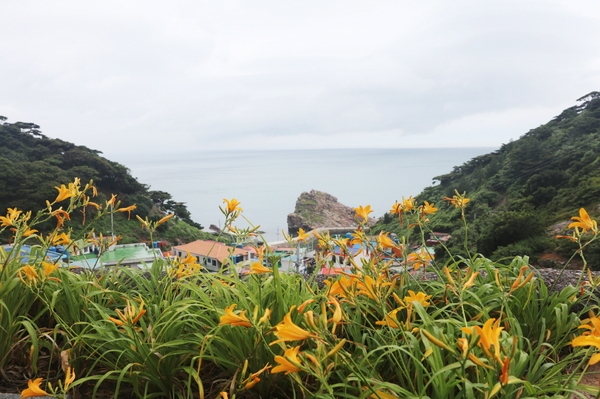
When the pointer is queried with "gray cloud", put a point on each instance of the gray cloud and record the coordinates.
(115, 76)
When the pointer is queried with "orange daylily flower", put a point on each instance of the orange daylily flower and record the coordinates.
(370, 287)
(265, 317)
(340, 287)
(60, 216)
(10, 218)
(64, 193)
(34, 389)
(458, 200)
(130, 315)
(286, 330)
(419, 259)
(302, 235)
(30, 274)
(406, 205)
(233, 319)
(382, 395)
(112, 200)
(363, 212)
(69, 378)
(289, 362)
(584, 222)
(233, 206)
(592, 324)
(128, 210)
(49, 268)
(489, 337)
(390, 319)
(336, 318)
(419, 297)
(29, 232)
(254, 378)
(588, 340)
(258, 268)
(305, 304)
(384, 241)
(61, 239)
(428, 209)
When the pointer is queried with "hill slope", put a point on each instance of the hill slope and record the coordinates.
(32, 165)
(524, 188)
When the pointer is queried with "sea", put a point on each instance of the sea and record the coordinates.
(268, 183)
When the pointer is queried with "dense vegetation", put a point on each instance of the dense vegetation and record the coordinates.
(521, 192)
(32, 165)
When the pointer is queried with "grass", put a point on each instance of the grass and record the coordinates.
(479, 329)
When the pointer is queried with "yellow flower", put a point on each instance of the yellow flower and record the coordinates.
(130, 315)
(289, 362)
(363, 212)
(64, 193)
(408, 204)
(286, 330)
(419, 259)
(232, 206)
(49, 268)
(489, 337)
(265, 317)
(254, 378)
(584, 222)
(258, 268)
(29, 232)
(382, 395)
(111, 201)
(463, 345)
(458, 200)
(34, 389)
(30, 274)
(128, 210)
(384, 241)
(470, 281)
(428, 209)
(390, 319)
(419, 297)
(336, 318)
(60, 216)
(164, 219)
(371, 288)
(61, 239)
(234, 319)
(302, 235)
(588, 340)
(304, 304)
(145, 223)
(592, 324)
(341, 287)
(10, 218)
(397, 208)
(69, 378)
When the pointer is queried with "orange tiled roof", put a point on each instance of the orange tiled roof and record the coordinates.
(211, 249)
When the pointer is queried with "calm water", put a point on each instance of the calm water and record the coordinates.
(267, 183)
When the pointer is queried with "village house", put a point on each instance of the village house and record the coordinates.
(211, 254)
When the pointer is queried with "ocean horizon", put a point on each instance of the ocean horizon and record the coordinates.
(268, 183)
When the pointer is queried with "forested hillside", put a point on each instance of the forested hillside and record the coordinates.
(522, 192)
(32, 165)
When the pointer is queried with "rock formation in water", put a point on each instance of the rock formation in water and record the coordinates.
(318, 209)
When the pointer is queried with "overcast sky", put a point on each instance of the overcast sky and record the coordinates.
(151, 76)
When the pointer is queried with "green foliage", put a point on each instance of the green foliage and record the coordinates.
(551, 171)
(33, 165)
(479, 329)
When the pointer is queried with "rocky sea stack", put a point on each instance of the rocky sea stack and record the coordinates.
(318, 209)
